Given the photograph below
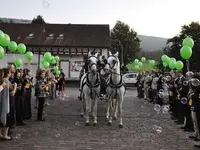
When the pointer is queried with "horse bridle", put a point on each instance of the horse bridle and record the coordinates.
(111, 66)
(90, 65)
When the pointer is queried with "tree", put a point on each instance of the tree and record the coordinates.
(124, 40)
(38, 20)
(192, 30)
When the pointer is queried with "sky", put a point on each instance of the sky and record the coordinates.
(161, 18)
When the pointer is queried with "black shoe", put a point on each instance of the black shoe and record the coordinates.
(179, 123)
(183, 128)
(197, 146)
(41, 119)
(189, 130)
(197, 139)
(21, 124)
(192, 137)
(13, 127)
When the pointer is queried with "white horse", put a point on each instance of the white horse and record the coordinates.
(115, 89)
(91, 89)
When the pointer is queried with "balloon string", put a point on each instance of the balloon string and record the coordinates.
(188, 65)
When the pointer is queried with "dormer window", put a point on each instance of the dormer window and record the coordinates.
(30, 36)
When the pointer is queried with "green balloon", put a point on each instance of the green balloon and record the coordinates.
(164, 64)
(18, 62)
(173, 59)
(57, 72)
(42, 61)
(12, 46)
(29, 56)
(2, 52)
(46, 65)
(143, 59)
(5, 41)
(164, 57)
(57, 58)
(152, 63)
(186, 52)
(136, 61)
(55, 68)
(21, 48)
(188, 42)
(47, 56)
(140, 64)
(172, 64)
(137, 67)
(1, 35)
(53, 61)
(167, 60)
(179, 65)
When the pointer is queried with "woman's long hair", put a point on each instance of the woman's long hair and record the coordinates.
(6, 71)
(39, 73)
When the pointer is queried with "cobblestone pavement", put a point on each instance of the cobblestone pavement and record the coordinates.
(64, 129)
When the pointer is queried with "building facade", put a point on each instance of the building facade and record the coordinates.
(71, 42)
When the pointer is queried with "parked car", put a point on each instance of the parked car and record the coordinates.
(130, 79)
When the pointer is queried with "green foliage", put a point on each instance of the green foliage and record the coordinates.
(124, 40)
(38, 20)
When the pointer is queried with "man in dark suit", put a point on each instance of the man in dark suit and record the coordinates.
(185, 106)
(179, 82)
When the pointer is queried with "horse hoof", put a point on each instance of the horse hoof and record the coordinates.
(115, 118)
(121, 126)
(94, 124)
(87, 124)
(109, 123)
(82, 115)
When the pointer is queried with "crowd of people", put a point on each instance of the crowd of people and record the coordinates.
(16, 87)
(180, 91)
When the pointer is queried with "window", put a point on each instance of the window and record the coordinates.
(50, 35)
(30, 36)
(131, 76)
(60, 37)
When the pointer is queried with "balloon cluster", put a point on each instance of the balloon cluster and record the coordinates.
(138, 65)
(172, 63)
(12, 46)
(185, 52)
(49, 59)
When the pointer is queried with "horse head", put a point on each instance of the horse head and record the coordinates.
(92, 62)
(112, 63)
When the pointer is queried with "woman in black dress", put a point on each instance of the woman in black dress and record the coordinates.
(61, 83)
(28, 82)
(19, 98)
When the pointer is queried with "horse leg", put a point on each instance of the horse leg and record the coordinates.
(108, 108)
(95, 111)
(121, 99)
(83, 107)
(110, 111)
(116, 109)
(87, 111)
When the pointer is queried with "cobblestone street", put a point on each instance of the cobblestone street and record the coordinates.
(64, 129)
